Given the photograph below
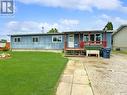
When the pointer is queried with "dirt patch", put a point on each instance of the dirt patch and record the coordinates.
(99, 66)
(5, 56)
(92, 62)
(106, 63)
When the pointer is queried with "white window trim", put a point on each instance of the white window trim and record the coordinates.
(35, 37)
(16, 38)
(57, 36)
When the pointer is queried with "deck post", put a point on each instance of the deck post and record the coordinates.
(79, 39)
(104, 42)
(89, 38)
(65, 44)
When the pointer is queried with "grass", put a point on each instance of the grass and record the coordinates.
(117, 52)
(30, 73)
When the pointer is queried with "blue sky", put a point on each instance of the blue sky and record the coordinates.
(66, 15)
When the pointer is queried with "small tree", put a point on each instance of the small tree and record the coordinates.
(109, 26)
(53, 30)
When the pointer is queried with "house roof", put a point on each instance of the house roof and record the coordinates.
(87, 31)
(37, 34)
(120, 28)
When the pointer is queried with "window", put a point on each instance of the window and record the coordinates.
(56, 39)
(98, 38)
(17, 39)
(92, 37)
(86, 37)
(35, 39)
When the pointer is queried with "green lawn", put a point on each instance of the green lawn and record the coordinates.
(117, 52)
(31, 73)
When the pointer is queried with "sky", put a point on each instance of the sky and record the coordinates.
(65, 15)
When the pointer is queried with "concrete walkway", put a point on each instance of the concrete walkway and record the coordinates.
(74, 80)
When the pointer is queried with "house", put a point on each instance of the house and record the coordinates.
(72, 42)
(37, 41)
(120, 38)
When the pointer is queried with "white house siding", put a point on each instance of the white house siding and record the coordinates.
(120, 39)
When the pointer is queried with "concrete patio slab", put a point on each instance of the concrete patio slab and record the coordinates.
(64, 88)
(80, 72)
(74, 80)
(81, 90)
(67, 78)
(81, 80)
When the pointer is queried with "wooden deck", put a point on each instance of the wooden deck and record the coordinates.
(74, 52)
(75, 49)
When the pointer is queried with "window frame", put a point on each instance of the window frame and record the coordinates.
(34, 37)
(88, 37)
(57, 36)
(16, 39)
(98, 42)
(98, 36)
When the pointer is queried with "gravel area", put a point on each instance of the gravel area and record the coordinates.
(107, 76)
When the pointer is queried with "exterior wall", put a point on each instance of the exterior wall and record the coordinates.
(109, 39)
(45, 42)
(76, 39)
(120, 39)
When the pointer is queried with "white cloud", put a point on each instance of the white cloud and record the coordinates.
(36, 27)
(117, 21)
(80, 4)
(101, 21)
(69, 22)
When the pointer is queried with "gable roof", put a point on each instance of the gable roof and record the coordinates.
(119, 29)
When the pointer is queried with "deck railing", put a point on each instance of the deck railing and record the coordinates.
(82, 44)
(103, 43)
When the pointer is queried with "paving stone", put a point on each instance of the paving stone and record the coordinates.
(80, 72)
(68, 72)
(81, 90)
(74, 80)
(81, 79)
(63, 88)
(67, 78)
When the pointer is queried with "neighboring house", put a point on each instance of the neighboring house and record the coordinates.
(72, 42)
(120, 38)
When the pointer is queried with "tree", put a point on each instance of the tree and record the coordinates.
(109, 26)
(53, 30)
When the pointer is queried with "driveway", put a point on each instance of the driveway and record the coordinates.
(108, 76)
(102, 76)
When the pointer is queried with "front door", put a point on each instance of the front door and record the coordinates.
(71, 41)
